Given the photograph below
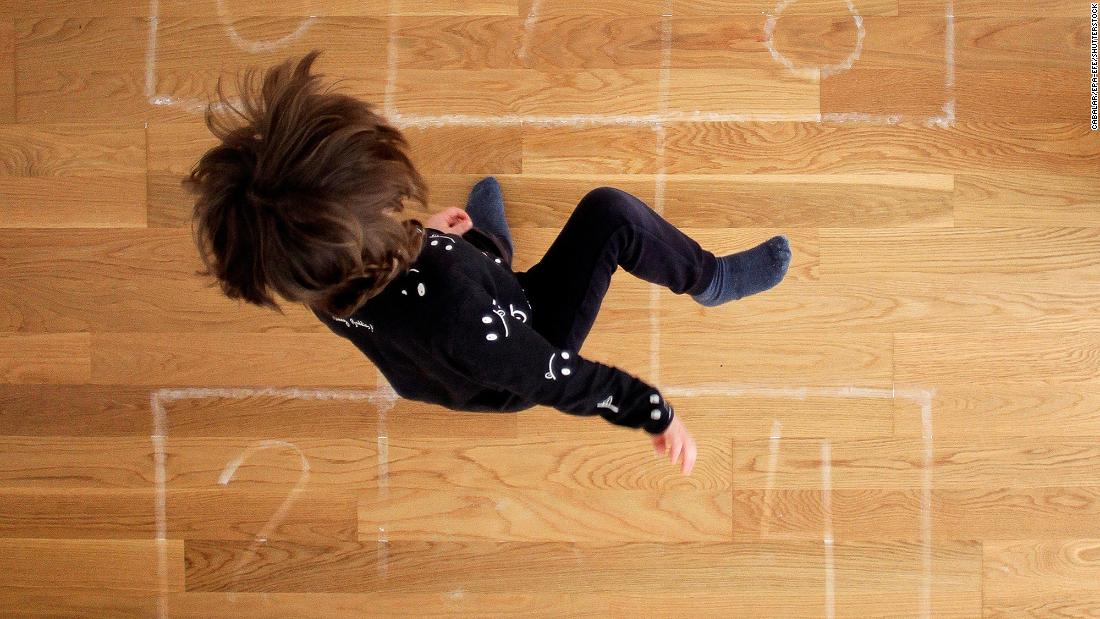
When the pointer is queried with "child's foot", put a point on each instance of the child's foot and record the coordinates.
(485, 206)
(748, 272)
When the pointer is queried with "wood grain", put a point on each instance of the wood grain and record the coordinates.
(953, 259)
(1042, 577)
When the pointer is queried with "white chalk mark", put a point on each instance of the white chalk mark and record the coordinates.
(827, 511)
(813, 73)
(384, 398)
(392, 24)
(151, 50)
(926, 504)
(947, 118)
(303, 478)
(773, 461)
(260, 47)
(580, 120)
(160, 420)
(949, 49)
(528, 29)
(280, 514)
(382, 563)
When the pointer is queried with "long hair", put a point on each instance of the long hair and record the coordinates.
(294, 200)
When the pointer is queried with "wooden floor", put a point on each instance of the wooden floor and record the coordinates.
(908, 426)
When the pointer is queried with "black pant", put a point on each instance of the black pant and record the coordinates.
(608, 228)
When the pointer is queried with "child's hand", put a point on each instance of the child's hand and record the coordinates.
(451, 220)
(676, 440)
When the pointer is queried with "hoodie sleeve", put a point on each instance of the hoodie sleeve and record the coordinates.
(495, 347)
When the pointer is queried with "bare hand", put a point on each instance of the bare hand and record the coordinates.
(451, 220)
(677, 441)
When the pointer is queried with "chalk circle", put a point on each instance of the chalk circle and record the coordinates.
(810, 71)
(259, 47)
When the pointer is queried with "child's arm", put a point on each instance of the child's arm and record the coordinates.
(500, 351)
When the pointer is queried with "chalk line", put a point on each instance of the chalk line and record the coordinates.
(659, 187)
(773, 460)
(280, 514)
(260, 47)
(528, 29)
(827, 511)
(813, 73)
(160, 420)
(151, 49)
(391, 61)
(926, 505)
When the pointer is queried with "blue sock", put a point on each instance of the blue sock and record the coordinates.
(485, 206)
(748, 272)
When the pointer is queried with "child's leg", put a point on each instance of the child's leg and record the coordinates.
(485, 206)
(609, 228)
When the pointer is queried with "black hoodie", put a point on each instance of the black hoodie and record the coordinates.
(454, 330)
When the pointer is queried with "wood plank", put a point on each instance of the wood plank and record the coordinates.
(137, 270)
(770, 90)
(71, 462)
(181, 8)
(702, 7)
(1014, 200)
(819, 359)
(832, 148)
(553, 43)
(789, 568)
(1035, 95)
(45, 358)
(1021, 42)
(984, 8)
(1041, 577)
(985, 513)
(103, 202)
(193, 359)
(533, 515)
(722, 603)
(530, 463)
(755, 7)
(1057, 253)
(937, 305)
(71, 150)
(976, 358)
(291, 416)
(909, 93)
(225, 512)
(898, 464)
(745, 416)
(495, 92)
(589, 150)
(44, 565)
(448, 7)
(112, 410)
(807, 40)
(1010, 408)
(7, 70)
(95, 68)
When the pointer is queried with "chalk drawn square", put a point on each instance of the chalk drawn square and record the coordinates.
(384, 397)
(190, 46)
(690, 87)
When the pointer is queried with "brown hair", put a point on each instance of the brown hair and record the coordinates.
(293, 200)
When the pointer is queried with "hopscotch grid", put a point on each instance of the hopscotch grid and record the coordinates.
(946, 119)
(657, 122)
(388, 397)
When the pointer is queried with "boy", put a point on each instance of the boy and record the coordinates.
(300, 199)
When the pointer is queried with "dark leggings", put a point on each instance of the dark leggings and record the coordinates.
(609, 228)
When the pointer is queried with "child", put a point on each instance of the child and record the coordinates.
(300, 199)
